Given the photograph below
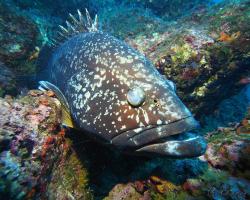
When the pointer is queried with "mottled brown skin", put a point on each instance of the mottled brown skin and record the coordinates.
(95, 71)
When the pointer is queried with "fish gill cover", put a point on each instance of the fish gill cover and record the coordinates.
(147, 59)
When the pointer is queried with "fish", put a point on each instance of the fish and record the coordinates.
(115, 95)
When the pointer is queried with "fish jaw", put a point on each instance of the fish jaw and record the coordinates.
(170, 140)
(191, 146)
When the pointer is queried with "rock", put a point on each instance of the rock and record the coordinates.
(206, 54)
(7, 81)
(244, 127)
(229, 112)
(193, 186)
(19, 37)
(69, 179)
(34, 154)
(232, 155)
(171, 9)
(230, 151)
(216, 184)
(124, 192)
(191, 51)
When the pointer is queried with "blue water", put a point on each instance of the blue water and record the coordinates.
(200, 47)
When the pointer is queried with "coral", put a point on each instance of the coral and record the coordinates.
(163, 186)
(182, 53)
(230, 151)
(201, 53)
(228, 38)
(125, 192)
(203, 49)
(69, 179)
(216, 184)
(171, 196)
(33, 148)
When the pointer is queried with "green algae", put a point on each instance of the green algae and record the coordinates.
(70, 178)
(180, 195)
(182, 54)
(214, 177)
(226, 136)
(15, 48)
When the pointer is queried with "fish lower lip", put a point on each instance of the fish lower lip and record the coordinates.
(132, 140)
(184, 145)
(170, 140)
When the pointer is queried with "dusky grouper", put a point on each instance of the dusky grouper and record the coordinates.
(114, 93)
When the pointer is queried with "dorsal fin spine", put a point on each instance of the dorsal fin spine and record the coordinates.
(75, 26)
(73, 19)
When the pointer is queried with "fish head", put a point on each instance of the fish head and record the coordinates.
(150, 119)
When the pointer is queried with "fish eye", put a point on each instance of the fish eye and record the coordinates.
(136, 96)
(173, 86)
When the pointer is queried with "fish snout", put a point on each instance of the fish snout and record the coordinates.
(171, 140)
(187, 146)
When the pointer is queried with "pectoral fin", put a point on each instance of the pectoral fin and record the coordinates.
(66, 115)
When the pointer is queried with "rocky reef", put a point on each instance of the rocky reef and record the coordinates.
(19, 47)
(40, 159)
(202, 46)
(199, 46)
(34, 152)
(199, 52)
(222, 173)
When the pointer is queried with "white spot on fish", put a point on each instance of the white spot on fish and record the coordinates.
(87, 95)
(159, 122)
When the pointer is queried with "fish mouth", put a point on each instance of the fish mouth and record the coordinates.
(170, 140)
(184, 145)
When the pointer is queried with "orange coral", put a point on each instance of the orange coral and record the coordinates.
(224, 37)
(50, 93)
(163, 186)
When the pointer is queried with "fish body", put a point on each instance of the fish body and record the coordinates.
(114, 93)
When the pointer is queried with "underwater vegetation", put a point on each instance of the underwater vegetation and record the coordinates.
(202, 46)
(200, 52)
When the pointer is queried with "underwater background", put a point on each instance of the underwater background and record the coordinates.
(203, 46)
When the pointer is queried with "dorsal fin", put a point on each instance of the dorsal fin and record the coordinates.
(75, 26)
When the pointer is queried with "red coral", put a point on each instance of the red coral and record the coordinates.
(189, 39)
(140, 186)
(189, 73)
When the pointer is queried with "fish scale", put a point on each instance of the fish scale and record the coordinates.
(93, 74)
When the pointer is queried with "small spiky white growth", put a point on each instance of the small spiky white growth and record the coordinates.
(75, 26)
